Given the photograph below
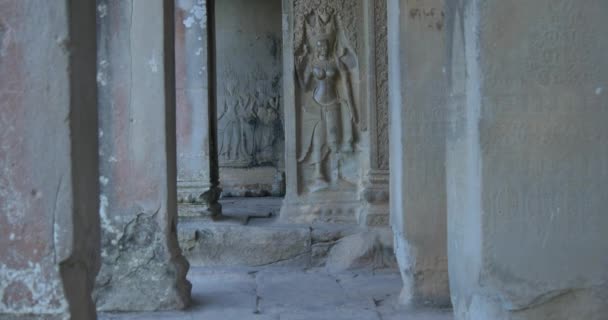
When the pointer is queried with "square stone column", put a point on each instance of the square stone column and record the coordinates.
(197, 164)
(49, 192)
(526, 159)
(417, 89)
(143, 268)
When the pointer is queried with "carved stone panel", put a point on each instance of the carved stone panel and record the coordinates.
(327, 69)
(250, 115)
(249, 97)
(250, 119)
(325, 109)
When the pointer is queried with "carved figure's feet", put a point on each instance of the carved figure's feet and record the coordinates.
(319, 185)
(341, 183)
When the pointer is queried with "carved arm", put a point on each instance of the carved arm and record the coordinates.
(347, 87)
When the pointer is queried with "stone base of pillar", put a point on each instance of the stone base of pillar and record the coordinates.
(376, 210)
(140, 270)
(425, 277)
(332, 209)
(588, 304)
(197, 199)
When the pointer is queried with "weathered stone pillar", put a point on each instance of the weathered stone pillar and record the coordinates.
(143, 268)
(197, 176)
(49, 224)
(418, 126)
(526, 160)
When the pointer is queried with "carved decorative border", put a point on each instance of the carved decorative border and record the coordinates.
(381, 54)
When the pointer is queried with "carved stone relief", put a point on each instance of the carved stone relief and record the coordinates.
(250, 128)
(249, 78)
(327, 70)
(381, 54)
(345, 12)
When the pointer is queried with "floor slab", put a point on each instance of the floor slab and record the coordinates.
(291, 294)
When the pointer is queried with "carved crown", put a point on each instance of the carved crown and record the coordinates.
(323, 26)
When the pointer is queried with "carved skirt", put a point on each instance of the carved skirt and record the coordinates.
(321, 130)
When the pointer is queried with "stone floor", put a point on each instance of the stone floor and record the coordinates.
(291, 294)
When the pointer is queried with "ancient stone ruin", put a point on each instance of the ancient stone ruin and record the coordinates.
(303, 159)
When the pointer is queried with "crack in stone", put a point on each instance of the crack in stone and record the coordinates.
(283, 260)
(258, 299)
(54, 220)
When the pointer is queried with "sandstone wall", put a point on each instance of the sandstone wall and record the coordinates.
(526, 159)
(49, 193)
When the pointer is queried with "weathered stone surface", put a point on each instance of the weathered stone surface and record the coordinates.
(366, 249)
(143, 268)
(252, 182)
(339, 313)
(526, 160)
(418, 121)
(424, 314)
(379, 287)
(248, 235)
(315, 292)
(323, 238)
(49, 228)
(284, 293)
(218, 290)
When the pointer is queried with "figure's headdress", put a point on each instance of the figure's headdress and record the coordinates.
(323, 26)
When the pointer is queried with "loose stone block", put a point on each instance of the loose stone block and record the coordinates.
(418, 125)
(49, 225)
(143, 268)
(238, 245)
(526, 160)
(366, 249)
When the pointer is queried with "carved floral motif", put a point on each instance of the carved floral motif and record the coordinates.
(381, 47)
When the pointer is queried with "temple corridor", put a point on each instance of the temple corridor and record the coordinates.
(303, 159)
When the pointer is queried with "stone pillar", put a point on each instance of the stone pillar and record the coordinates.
(526, 159)
(197, 165)
(418, 126)
(143, 268)
(49, 194)
(375, 166)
